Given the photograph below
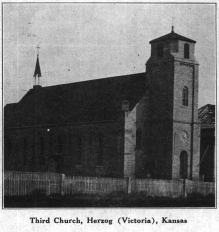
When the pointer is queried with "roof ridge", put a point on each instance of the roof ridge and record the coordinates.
(100, 79)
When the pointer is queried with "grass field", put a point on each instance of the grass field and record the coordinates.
(110, 200)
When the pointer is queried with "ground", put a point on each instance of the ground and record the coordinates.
(111, 200)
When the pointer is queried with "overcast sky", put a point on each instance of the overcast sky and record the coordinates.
(90, 41)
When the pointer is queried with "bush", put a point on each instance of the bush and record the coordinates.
(195, 195)
(39, 192)
(211, 196)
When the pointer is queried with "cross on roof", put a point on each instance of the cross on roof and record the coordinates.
(38, 47)
(173, 24)
(173, 21)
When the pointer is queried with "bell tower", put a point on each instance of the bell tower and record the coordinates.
(174, 141)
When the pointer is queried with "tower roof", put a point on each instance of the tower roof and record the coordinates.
(37, 71)
(172, 36)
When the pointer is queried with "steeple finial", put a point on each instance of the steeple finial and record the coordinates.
(38, 48)
(37, 72)
(172, 25)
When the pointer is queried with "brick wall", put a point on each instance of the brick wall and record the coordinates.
(67, 154)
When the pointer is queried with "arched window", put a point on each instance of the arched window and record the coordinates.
(183, 165)
(60, 144)
(185, 96)
(90, 142)
(138, 138)
(186, 51)
(25, 151)
(119, 143)
(51, 143)
(41, 155)
(33, 147)
(159, 51)
(100, 152)
(79, 150)
(9, 147)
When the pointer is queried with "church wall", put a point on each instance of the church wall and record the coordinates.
(180, 145)
(182, 116)
(67, 154)
(141, 153)
(160, 128)
(129, 143)
(183, 77)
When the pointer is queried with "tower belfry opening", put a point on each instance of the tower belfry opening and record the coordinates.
(37, 72)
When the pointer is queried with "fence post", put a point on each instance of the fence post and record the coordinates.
(184, 188)
(63, 185)
(129, 184)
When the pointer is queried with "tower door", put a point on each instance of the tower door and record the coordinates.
(183, 165)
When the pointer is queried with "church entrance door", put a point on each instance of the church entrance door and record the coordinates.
(183, 165)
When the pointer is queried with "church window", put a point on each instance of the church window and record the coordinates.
(50, 144)
(185, 96)
(119, 143)
(25, 151)
(100, 152)
(59, 144)
(159, 51)
(186, 51)
(138, 138)
(33, 153)
(41, 155)
(9, 146)
(79, 150)
(90, 142)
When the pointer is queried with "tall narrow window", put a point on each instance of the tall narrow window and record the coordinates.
(185, 96)
(119, 143)
(159, 51)
(59, 143)
(9, 147)
(17, 154)
(79, 161)
(138, 138)
(25, 151)
(33, 154)
(186, 51)
(90, 142)
(41, 155)
(100, 152)
(50, 144)
(70, 141)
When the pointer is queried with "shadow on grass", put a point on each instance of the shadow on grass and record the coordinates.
(110, 200)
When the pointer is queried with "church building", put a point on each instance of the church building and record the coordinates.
(142, 125)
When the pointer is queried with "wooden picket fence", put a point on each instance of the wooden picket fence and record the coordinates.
(93, 185)
(154, 187)
(203, 188)
(27, 183)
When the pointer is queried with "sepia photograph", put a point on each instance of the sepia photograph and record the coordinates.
(108, 105)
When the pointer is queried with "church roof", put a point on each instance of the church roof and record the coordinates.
(87, 101)
(172, 36)
(206, 115)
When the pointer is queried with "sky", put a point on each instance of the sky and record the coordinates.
(90, 41)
